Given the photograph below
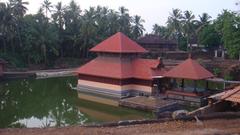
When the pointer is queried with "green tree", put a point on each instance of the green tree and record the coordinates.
(174, 24)
(89, 28)
(40, 38)
(113, 24)
(47, 5)
(160, 31)
(73, 22)
(188, 27)
(228, 26)
(137, 28)
(209, 37)
(58, 19)
(19, 9)
(7, 25)
(125, 21)
(204, 20)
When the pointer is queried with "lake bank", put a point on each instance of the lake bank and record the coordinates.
(216, 126)
(40, 73)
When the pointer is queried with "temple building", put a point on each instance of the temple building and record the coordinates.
(189, 82)
(157, 45)
(118, 71)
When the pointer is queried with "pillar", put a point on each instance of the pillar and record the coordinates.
(195, 86)
(206, 85)
(223, 54)
(182, 84)
(215, 53)
(224, 84)
(159, 86)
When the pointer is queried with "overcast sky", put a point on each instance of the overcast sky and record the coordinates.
(152, 11)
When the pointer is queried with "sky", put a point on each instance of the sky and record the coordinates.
(152, 11)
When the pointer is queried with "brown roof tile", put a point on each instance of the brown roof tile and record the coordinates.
(114, 68)
(232, 95)
(118, 43)
(189, 69)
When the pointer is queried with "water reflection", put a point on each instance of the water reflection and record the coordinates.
(51, 102)
(39, 103)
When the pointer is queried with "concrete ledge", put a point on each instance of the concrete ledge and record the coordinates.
(217, 115)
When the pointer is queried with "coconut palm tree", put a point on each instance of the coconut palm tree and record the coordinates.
(7, 26)
(174, 24)
(160, 31)
(19, 7)
(204, 20)
(188, 26)
(125, 21)
(72, 15)
(113, 24)
(88, 29)
(102, 22)
(58, 15)
(47, 5)
(73, 22)
(137, 28)
(5, 17)
(58, 19)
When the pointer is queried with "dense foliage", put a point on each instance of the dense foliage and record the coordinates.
(185, 28)
(59, 30)
(65, 31)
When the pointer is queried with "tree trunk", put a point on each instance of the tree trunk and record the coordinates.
(12, 47)
(28, 59)
(4, 46)
(45, 54)
(62, 52)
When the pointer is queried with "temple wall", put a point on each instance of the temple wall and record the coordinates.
(114, 90)
(113, 81)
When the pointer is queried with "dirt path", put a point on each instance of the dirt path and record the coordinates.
(220, 127)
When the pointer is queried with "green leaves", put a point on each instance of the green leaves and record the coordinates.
(227, 24)
(209, 37)
(60, 30)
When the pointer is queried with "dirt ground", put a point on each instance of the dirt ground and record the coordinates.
(209, 127)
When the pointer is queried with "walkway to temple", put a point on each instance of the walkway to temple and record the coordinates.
(158, 104)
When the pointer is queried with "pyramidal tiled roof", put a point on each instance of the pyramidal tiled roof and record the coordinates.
(189, 69)
(112, 68)
(118, 43)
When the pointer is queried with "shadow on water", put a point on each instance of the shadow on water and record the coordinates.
(51, 102)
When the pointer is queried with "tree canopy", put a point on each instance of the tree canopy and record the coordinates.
(59, 30)
(212, 33)
(63, 31)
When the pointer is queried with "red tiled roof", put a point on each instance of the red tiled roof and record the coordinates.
(118, 43)
(189, 69)
(146, 68)
(232, 95)
(115, 68)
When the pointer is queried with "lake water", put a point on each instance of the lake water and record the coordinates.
(51, 103)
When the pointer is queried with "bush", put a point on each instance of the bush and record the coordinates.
(14, 61)
(216, 71)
